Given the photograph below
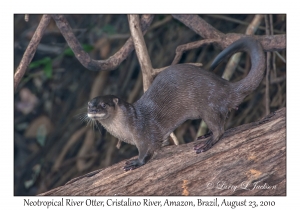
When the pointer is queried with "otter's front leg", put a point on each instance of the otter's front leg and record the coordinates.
(205, 136)
(145, 154)
(133, 164)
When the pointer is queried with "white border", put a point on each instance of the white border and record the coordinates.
(8, 201)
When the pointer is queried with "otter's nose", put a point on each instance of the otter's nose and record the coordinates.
(91, 107)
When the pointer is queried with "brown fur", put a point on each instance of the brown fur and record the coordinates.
(179, 93)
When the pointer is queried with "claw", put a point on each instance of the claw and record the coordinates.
(131, 165)
(203, 146)
(129, 168)
(204, 136)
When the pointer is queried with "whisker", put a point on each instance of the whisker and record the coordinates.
(80, 114)
(88, 122)
(93, 124)
(83, 117)
(98, 128)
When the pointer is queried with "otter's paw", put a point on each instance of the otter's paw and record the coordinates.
(204, 136)
(203, 146)
(132, 164)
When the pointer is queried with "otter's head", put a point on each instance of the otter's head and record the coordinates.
(102, 107)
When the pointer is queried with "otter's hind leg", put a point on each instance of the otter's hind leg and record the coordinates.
(216, 124)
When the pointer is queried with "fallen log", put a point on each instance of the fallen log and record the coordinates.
(248, 160)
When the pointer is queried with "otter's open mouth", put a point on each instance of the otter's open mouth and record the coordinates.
(96, 115)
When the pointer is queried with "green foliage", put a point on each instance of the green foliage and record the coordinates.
(46, 63)
(35, 172)
(109, 29)
(38, 63)
(86, 48)
(68, 52)
(41, 135)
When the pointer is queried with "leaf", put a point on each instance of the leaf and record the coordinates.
(41, 135)
(109, 29)
(29, 183)
(68, 52)
(36, 171)
(46, 63)
(40, 62)
(48, 69)
(86, 48)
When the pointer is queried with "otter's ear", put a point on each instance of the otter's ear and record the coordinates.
(116, 100)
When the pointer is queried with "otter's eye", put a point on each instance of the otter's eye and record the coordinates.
(103, 105)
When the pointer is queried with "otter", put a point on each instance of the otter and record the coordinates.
(178, 93)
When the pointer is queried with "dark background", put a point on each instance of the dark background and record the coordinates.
(51, 143)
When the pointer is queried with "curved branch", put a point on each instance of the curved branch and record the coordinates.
(97, 65)
(199, 26)
(272, 42)
(212, 35)
(31, 48)
(192, 45)
(268, 42)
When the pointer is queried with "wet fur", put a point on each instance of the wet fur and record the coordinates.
(179, 93)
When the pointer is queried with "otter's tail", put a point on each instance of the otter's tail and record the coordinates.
(245, 86)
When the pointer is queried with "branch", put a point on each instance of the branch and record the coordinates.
(250, 154)
(97, 65)
(143, 56)
(30, 50)
(192, 45)
(212, 35)
(272, 43)
(199, 26)
(141, 50)
(223, 17)
(268, 58)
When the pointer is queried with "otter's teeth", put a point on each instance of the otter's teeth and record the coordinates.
(96, 115)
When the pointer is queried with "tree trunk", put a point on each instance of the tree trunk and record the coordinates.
(248, 160)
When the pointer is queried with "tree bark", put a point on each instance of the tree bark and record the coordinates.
(248, 160)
